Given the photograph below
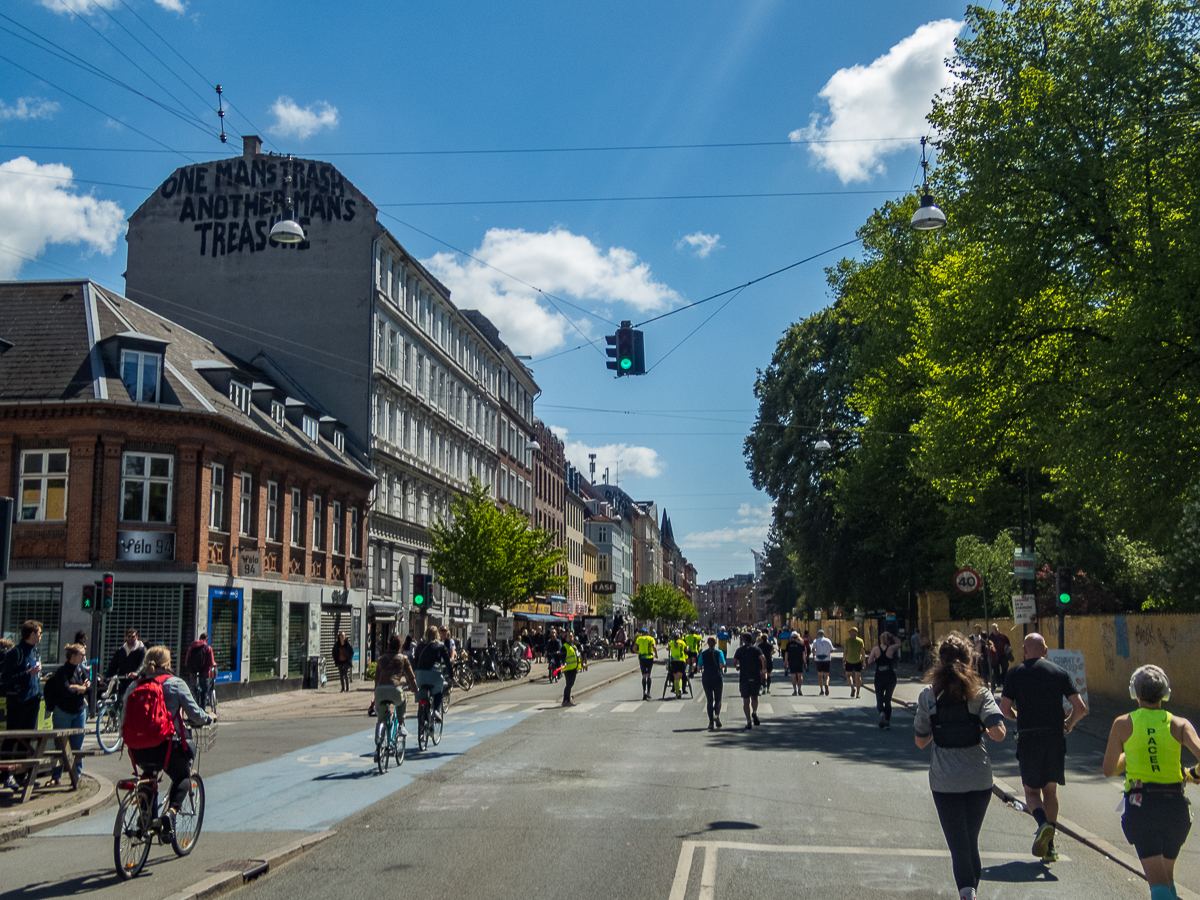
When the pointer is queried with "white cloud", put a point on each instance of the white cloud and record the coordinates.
(556, 261)
(86, 7)
(889, 98)
(703, 244)
(748, 529)
(38, 206)
(28, 108)
(624, 460)
(293, 120)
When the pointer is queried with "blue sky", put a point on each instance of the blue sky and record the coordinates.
(561, 85)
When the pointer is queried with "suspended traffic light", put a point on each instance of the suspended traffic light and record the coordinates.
(626, 351)
(1065, 584)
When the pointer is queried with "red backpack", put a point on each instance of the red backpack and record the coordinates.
(147, 721)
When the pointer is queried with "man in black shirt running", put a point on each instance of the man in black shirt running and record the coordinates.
(752, 674)
(1037, 688)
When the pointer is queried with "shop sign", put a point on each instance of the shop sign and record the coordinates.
(146, 546)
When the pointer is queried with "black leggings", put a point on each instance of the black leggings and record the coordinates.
(712, 690)
(570, 677)
(885, 685)
(179, 767)
(961, 816)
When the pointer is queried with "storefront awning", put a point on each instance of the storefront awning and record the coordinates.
(537, 617)
(384, 609)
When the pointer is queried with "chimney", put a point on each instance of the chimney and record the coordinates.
(251, 145)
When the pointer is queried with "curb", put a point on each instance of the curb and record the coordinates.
(40, 822)
(223, 882)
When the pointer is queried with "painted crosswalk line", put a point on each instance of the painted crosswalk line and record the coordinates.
(632, 706)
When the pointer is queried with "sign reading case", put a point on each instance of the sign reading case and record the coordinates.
(146, 546)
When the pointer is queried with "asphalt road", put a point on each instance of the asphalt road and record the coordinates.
(615, 796)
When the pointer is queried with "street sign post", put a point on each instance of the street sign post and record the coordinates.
(504, 629)
(1024, 565)
(967, 581)
(1024, 609)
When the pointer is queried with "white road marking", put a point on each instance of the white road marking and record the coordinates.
(631, 706)
(582, 707)
(499, 707)
(670, 707)
(765, 708)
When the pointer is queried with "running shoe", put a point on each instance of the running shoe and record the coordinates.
(1043, 841)
(403, 731)
(754, 718)
(711, 726)
(748, 727)
(1051, 855)
(718, 721)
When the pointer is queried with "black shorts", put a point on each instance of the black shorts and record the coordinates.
(1159, 825)
(678, 666)
(853, 667)
(1043, 756)
(796, 669)
(822, 665)
(750, 688)
(646, 663)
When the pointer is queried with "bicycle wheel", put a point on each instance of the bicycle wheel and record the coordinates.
(108, 727)
(189, 818)
(381, 746)
(399, 747)
(523, 666)
(131, 834)
(422, 733)
(435, 727)
(465, 677)
(212, 697)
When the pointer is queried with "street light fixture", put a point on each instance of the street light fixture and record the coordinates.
(287, 230)
(927, 217)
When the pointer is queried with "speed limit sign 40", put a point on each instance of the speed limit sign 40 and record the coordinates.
(967, 581)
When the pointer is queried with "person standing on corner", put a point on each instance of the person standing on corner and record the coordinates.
(884, 657)
(66, 691)
(999, 651)
(1037, 688)
(822, 651)
(852, 662)
(953, 713)
(21, 683)
(573, 661)
(1146, 744)
(712, 668)
(752, 672)
(343, 658)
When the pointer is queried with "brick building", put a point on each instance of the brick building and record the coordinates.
(221, 501)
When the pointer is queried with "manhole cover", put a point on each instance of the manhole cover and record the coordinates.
(236, 865)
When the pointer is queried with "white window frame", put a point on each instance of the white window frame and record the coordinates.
(273, 511)
(43, 477)
(311, 428)
(296, 526)
(216, 498)
(339, 441)
(239, 395)
(335, 511)
(278, 412)
(246, 497)
(318, 522)
(142, 359)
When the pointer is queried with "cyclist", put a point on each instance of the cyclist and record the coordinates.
(126, 662)
(433, 666)
(444, 637)
(647, 652)
(152, 715)
(392, 670)
(678, 651)
(693, 641)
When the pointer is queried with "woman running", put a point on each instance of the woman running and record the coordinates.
(884, 657)
(712, 668)
(1146, 744)
(953, 713)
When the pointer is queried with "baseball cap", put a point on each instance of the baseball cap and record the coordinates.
(821, 631)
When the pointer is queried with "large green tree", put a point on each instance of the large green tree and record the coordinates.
(662, 602)
(491, 557)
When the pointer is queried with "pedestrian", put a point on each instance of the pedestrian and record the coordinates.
(807, 651)
(917, 651)
(619, 641)
(723, 640)
(21, 684)
(343, 658)
(752, 672)
(794, 657)
(979, 644)
(822, 650)
(553, 652)
(66, 701)
(1000, 655)
(1146, 744)
(199, 666)
(768, 652)
(884, 657)
(953, 713)
(852, 662)
(573, 660)
(712, 670)
(1037, 688)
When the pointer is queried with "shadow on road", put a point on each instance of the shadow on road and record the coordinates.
(722, 825)
(81, 884)
(1018, 873)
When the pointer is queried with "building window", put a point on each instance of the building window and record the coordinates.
(354, 531)
(216, 499)
(393, 351)
(385, 570)
(277, 412)
(297, 517)
(44, 485)
(318, 521)
(380, 343)
(272, 510)
(240, 395)
(310, 428)
(146, 487)
(408, 355)
(391, 420)
(339, 441)
(140, 372)
(246, 520)
(335, 511)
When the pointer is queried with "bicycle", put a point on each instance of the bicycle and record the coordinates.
(140, 813)
(209, 700)
(464, 675)
(429, 722)
(390, 742)
(108, 718)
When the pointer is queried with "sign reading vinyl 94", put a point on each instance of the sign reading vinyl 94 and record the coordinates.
(967, 581)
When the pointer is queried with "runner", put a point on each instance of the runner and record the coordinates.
(852, 662)
(723, 640)
(884, 657)
(694, 642)
(1146, 744)
(807, 651)
(712, 668)
(752, 671)
(822, 651)
(768, 652)
(794, 655)
(647, 652)
(1037, 688)
(677, 651)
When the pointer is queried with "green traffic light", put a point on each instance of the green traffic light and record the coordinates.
(626, 363)
(419, 600)
(1064, 599)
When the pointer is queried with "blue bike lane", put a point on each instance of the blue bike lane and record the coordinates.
(313, 788)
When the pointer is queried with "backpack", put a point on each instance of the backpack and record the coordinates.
(954, 725)
(197, 660)
(147, 721)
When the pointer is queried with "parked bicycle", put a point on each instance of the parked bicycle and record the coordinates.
(390, 741)
(141, 810)
(464, 674)
(429, 720)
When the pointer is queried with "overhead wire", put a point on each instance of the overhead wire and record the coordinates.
(526, 201)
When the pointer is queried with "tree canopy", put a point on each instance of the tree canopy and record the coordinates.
(665, 602)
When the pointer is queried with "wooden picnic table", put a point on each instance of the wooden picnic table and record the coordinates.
(33, 747)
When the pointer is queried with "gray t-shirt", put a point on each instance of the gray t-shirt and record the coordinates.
(955, 770)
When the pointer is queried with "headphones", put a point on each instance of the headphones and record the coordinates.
(1133, 691)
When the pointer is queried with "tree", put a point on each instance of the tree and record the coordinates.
(491, 557)
(654, 602)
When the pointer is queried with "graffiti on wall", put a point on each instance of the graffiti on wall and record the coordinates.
(232, 204)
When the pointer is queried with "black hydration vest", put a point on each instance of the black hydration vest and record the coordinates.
(954, 725)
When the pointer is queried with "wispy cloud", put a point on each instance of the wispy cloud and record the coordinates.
(748, 529)
(888, 98)
(301, 122)
(555, 261)
(700, 243)
(28, 108)
(627, 460)
(39, 206)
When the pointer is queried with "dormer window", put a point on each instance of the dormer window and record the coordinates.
(141, 373)
(240, 395)
(277, 410)
(310, 427)
(339, 441)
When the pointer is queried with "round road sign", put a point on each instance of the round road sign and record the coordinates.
(967, 581)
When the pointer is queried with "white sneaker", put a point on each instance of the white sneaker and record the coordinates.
(403, 731)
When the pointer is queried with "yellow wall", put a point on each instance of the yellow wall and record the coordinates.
(1113, 646)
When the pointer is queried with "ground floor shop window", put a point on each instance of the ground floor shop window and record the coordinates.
(162, 614)
(297, 639)
(225, 631)
(42, 603)
(264, 633)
